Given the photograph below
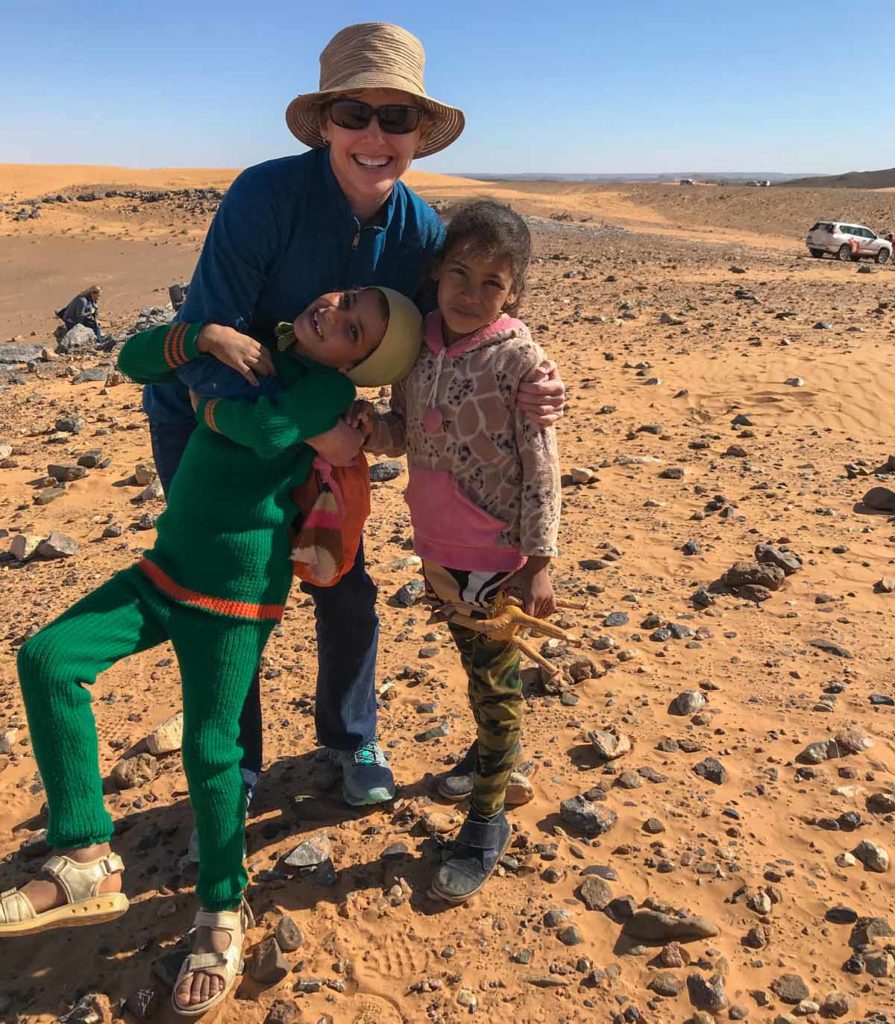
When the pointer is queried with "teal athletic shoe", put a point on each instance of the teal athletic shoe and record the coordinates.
(366, 776)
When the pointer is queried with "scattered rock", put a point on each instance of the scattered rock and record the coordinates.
(873, 856)
(654, 926)
(388, 469)
(687, 703)
(586, 817)
(790, 988)
(711, 770)
(609, 744)
(594, 893)
(268, 963)
(707, 993)
(311, 853)
(167, 738)
(135, 771)
(57, 545)
(288, 934)
(24, 546)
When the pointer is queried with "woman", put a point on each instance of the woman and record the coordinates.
(82, 310)
(288, 230)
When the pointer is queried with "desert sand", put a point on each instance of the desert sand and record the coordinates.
(720, 384)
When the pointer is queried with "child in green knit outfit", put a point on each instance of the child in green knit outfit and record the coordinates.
(214, 585)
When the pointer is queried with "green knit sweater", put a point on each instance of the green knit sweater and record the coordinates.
(223, 543)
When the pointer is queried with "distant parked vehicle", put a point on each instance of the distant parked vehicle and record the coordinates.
(847, 242)
(686, 181)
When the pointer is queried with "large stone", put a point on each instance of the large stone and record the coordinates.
(586, 817)
(666, 984)
(73, 424)
(389, 469)
(135, 771)
(14, 354)
(688, 702)
(707, 993)
(268, 963)
(78, 340)
(873, 856)
(648, 925)
(609, 744)
(790, 988)
(93, 374)
(66, 472)
(94, 1008)
(152, 492)
(594, 893)
(880, 498)
(144, 474)
(836, 1004)
(767, 554)
(167, 738)
(24, 545)
(8, 740)
(868, 930)
(288, 934)
(742, 574)
(311, 853)
(711, 769)
(57, 545)
(818, 752)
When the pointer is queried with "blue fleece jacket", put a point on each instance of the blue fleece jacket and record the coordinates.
(283, 235)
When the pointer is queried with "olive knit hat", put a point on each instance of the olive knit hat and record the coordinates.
(374, 55)
(394, 356)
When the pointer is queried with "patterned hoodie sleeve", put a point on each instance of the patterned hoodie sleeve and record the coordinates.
(389, 433)
(539, 520)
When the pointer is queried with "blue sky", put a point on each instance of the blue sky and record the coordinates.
(587, 86)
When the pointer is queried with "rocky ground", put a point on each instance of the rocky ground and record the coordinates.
(713, 775)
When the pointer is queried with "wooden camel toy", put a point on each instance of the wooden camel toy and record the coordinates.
(509, 622)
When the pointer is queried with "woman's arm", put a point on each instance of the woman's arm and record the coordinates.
(542, 395)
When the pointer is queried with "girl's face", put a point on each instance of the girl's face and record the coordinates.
(340, 329)
(367, 162)
(472, 290)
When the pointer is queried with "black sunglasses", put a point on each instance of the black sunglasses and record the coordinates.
(393, 118)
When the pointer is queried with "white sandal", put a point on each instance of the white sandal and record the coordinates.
(227, 965)
(84, 903)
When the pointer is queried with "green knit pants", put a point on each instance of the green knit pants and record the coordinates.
(217, 658)
(495, 695)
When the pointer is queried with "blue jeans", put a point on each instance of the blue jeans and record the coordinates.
(347, 639)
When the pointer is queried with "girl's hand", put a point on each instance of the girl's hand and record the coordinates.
(541, 396)
(362, 416)
(533, 586)
(339, 445)
(239, 351)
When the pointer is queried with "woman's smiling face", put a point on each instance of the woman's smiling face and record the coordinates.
(340, 329)
(369, 161)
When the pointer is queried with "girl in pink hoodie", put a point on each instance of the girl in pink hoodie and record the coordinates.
(483, 496)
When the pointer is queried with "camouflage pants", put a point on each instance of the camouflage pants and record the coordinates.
(495, 695)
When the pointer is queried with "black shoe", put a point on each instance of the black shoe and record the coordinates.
(472, 858)
(456, 785)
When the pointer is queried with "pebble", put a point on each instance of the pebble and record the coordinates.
(288, 934)
(609, 744)
(707, 993)
(388, 469)
(790, 988)
(647, 925)
(311, 853)
(135, 771)
(594, 893)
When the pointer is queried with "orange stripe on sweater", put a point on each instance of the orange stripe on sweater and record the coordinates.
(219, 605)
(209, 414)
(179, 347)
(166, 348)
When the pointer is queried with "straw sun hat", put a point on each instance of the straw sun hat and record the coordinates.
(373, 55)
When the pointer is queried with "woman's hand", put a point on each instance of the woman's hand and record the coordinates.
(339, 445)
(362, 416)
(239, 351)
(541, 396)
(533, 586)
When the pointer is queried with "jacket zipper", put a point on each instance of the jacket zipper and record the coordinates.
(356, 240)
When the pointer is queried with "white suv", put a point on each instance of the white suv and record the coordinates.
(847, 241)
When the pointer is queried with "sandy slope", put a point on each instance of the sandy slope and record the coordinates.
(596, 301)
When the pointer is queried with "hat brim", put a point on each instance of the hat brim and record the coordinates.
(445, 127)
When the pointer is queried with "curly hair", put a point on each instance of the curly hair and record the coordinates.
(492, 230)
